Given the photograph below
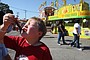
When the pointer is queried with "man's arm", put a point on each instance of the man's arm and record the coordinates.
(3, 28)
(77, 32)
(4, 53)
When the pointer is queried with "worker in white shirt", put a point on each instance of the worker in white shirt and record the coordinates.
(76, 33)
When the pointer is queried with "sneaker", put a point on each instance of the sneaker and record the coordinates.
(80, 49)
(59, 44)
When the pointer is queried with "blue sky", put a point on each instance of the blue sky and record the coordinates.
(31, 6)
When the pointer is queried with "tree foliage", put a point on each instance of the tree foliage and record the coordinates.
(4, 7)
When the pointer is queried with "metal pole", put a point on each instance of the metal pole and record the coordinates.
(17, 14)
(25, 13)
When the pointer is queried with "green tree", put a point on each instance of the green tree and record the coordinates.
(4, 7)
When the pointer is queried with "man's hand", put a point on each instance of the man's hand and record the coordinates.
(8, 19)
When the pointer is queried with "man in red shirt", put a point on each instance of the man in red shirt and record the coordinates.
(28, 46)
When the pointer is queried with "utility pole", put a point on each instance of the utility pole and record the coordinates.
(17, 14)
(25, 13)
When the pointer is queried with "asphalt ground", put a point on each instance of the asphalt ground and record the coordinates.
(61, 52)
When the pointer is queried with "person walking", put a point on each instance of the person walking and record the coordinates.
(76, 33)
(61, 31)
